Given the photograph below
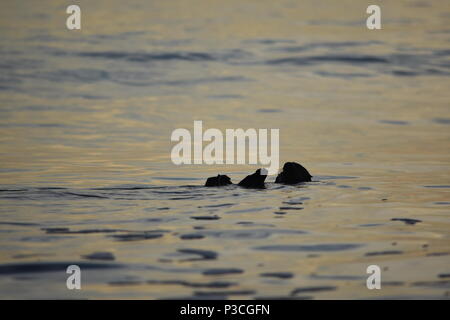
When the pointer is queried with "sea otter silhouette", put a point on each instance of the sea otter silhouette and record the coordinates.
(292, 173)
(220, 180)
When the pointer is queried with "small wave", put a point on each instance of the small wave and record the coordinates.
(222, 271)
(201, 254)
(147, 57)
(312, 289)
(328, 58)
(72, 75)
(438, 186)
(39, 267)
(213, 284)
(441, 120)
(395, 122)
(315, 247)
(249, 210)
(328, 45)
(344, 75)
(382, 253)
(86, 195)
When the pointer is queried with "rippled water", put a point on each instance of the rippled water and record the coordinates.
(85, 170)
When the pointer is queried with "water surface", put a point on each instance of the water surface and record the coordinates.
(85, 170)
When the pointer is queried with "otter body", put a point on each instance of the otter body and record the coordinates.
(292, 173)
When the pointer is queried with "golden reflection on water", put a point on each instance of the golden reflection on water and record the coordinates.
(51, 135)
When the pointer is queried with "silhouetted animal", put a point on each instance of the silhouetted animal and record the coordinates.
(255, 180)
(293, 173)
(220, 180)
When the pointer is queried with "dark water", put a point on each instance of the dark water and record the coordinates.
(144, 241)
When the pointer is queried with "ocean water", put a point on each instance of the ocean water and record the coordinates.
(86, 176)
